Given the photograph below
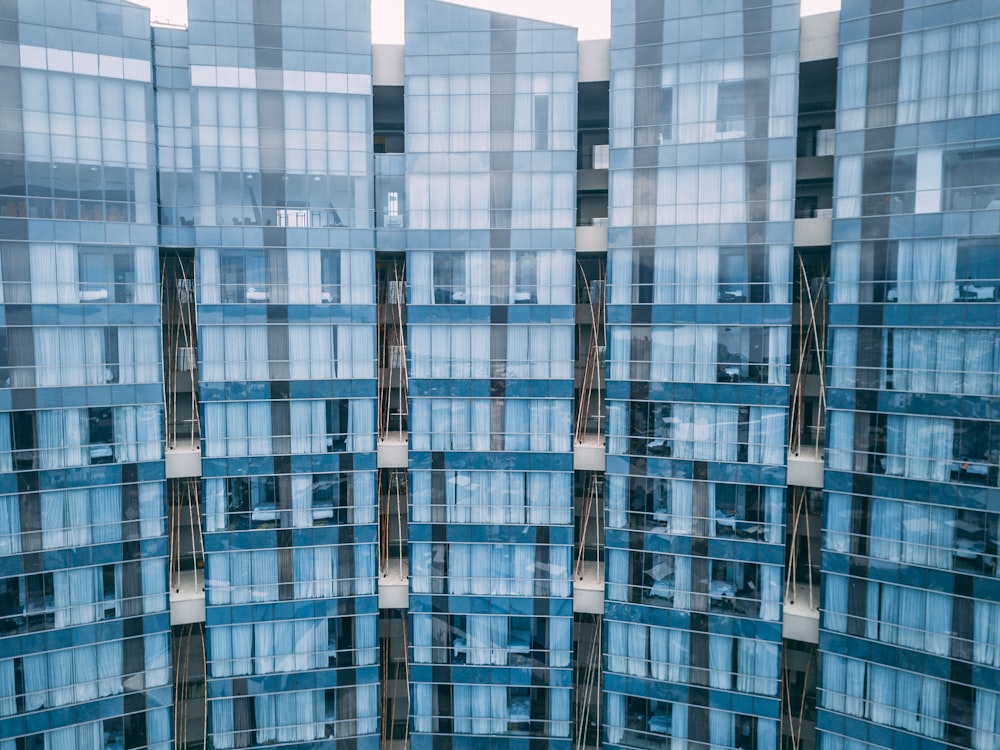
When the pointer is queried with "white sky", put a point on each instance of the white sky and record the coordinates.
(591, 17)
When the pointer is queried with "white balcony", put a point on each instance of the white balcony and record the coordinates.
(183, 460)
(394, 585)
(592, 239)
(817, 232)
(187, 597)
(588, 454)
(588, 588)
(800, 621)
(805, 467)
(393, 451)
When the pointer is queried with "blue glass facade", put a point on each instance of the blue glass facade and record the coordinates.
(281, 127)
(703, 106)
(909, 633)
(193, 344)
(84, 626)
(490, 184)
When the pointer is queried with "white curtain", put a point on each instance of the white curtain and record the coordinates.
(156, 651)
(986, 634)
(138, 354)
(964, 68)
(919, 447)
(10, 524)
(767, 435)
(361, 417)
(77, 596)
(357, 277)
(720, 661)
(617, 574)
(423, 699)
(685, 275)
(62, 437)
(721, 728)
(308, 426)
(215, 504)
(847, 189)
(615, 717)
(138, 433)
(986, 720)
(311, 351)
(422, 630)
(54, 274)
(845, 274)
(356, 351)
(290, 717)
(71, 356)
(559, 712)
(770, 593)
(88, 736)
(945, 361)
(237, 428)
(758, 666)
(668, 654)
(707, 432)
(925, 270)
(620, 276)
(780, 192)
(420, 273)
(305, 274)
(154, 585)
(853, 87)
(147, 276)
(637, 640)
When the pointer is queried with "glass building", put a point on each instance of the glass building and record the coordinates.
(499, 389)
(84, 623)
(490, 182)
(910, 629)
(284, 269)
(702, 181)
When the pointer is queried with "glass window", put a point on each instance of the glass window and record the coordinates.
(336, 424)
(243, 277)
(330, 276)
(330, 498)
(666, 114)
(977, 270)
(541, 104)
(971, 180)
(102, 435)
(449, 278)
(731, 108)
(733, 274)
(525, 278)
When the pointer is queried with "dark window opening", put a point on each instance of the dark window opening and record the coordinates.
(337, 411)
(330, 498)
(330, 276)
(666, 114)
(243, 277)
(733, 274)
(23, 439)
(251, 502)
(975, 452)
(449, 278)
(541, 105)
(977, 271)
(971, 180)
(102, 435)
(731, 107)
(525, 278)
